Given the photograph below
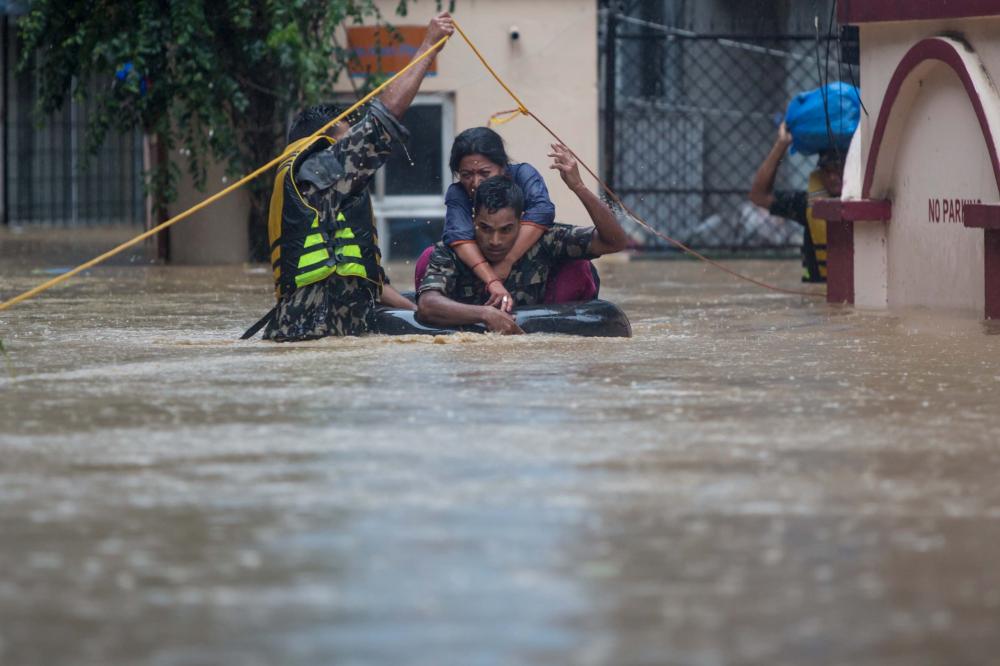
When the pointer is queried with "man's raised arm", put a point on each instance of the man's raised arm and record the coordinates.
(398, 96)
(609, 237)
(762, 188)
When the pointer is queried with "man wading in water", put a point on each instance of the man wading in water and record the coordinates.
(825, 181)
(452, 295)
(324, 250)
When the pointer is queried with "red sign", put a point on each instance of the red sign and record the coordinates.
(380, 50)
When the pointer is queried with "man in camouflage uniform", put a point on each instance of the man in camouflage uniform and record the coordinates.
(528, 277)
(330, 181)
(451, 294)
(337, 306)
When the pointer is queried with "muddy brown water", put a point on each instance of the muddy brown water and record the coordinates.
(753, 478)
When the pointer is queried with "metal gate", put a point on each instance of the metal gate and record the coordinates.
(687, 119)
(46, 179)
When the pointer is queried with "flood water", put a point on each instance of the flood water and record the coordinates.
(752, 479)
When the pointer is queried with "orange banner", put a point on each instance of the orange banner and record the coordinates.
(379, 50)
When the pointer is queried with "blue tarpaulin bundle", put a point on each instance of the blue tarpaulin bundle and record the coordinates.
(808, 114)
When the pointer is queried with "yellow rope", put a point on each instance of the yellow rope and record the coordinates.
(521, 108)
(502, 117)
(520, 105)
(215, 197)
(614, 196)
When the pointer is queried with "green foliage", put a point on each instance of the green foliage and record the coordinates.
(215, 79)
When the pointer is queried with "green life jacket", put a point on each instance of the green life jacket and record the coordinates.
(305, 247)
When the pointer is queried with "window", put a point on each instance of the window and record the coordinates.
(409, 190)
(417, 169)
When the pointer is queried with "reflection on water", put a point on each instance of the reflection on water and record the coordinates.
(752, 478)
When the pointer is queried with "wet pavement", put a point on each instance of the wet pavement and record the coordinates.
(752, 479)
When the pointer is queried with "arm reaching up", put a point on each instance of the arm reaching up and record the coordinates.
(609, 237)
(399, 95)
(762, 190)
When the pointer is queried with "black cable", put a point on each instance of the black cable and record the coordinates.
(850, 71)
(822, 86)
(840, 73)
(835, 145)
(850, 68)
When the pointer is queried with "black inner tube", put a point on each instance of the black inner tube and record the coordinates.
(594, 319)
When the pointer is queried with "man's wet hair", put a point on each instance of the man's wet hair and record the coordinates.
(481, 140)
(829, 158)
(311, 120)
(499, 192)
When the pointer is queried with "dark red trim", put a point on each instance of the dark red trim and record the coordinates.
(987, 218)
(927, 49)
(871, 11)
(839, 262)
(867, 210)
(840, 216)
(981, 216)
(991, 265)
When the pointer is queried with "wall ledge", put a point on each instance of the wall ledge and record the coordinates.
(981, 216)
(862, 210)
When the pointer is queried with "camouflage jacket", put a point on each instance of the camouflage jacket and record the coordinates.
(334, 178)
(329, 180)
(526, 283)
(344, 169)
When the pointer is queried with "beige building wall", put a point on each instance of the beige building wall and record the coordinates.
(552, 67)
(215, 235)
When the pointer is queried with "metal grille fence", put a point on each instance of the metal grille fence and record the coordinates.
(46, 178)
(688, 119)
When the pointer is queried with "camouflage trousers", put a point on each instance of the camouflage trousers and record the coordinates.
(336, 306)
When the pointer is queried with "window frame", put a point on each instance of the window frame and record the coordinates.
(388, 206)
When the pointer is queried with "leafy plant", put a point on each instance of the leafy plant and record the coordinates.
(212, 79)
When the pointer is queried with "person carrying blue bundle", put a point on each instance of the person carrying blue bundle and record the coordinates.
(824, 119)
(821, 121)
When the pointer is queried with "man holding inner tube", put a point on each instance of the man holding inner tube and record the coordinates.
(452, 295)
